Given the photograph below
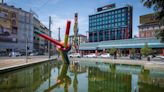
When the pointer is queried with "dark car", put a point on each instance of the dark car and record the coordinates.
(40, 53)
(135, 56)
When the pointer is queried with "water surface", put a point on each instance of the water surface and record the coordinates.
(82, 77)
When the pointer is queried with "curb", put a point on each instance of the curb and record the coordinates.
(20, 66)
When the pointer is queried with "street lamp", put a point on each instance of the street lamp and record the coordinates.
(26, 38)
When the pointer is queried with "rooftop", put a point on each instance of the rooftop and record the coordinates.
(107, 10)
(13, 7)
(80, 35)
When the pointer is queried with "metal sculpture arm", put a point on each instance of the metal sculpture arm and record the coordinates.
(62, 47)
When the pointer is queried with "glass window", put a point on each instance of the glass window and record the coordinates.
(116, 16)
(123, 23)
(106, 14)
(115, 11)
(123, 19)
(119, 24)
(119, 11)
(123, 14)
(112, 12)
(103, 14)
(106, 26)
(106, 18)
(123, 10)
(119, 15)
(115, 24)
(109, 13)
(106, 21)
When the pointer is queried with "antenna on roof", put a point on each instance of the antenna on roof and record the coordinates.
(34, 13)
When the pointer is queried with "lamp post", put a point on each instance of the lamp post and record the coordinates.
(49, 44)
(59, 34)
(26, 37)
(59, 38)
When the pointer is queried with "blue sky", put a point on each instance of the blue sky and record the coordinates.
(63, 10)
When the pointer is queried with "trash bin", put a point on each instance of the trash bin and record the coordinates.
(148, 58)
(115, 57)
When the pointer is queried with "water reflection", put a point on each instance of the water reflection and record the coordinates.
(25, 80)
(82, 77)
(62, 80)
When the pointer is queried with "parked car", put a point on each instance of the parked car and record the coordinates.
(93, 55)
(40, 53)
(14, 54)
(75, 55)
(34, 54)
(136, 56)
(161, 57)
(106, 55)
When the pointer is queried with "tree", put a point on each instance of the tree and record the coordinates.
(132, 51)
(146, 50)
(158, 6)
(112, 51)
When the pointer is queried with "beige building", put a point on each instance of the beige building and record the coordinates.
(16, 28)
(81, 38)
(40, 44)
(149, 26)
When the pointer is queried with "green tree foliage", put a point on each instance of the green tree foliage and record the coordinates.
(132, 51)
(146, 50)
(112, 51)
(158, 6)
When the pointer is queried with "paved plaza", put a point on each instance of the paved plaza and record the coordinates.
(10, 62)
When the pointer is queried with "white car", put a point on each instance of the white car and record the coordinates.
(14, 54)
(105, 55)
(75, 55)
(34, 54)
(91, 55)
(161, 57)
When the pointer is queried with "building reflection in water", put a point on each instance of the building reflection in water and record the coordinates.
(25, 80)
(101, 81)
(123, 78)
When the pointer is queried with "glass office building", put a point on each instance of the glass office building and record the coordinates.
(110, 23)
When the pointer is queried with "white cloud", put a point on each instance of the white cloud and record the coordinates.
(61, 22)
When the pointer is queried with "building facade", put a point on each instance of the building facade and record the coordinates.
(123, 46)
(110, 23)
(40, 44)
(149, 26)
(81, 38)
(16, 29)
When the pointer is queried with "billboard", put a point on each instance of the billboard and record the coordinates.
(8, 25)
(110, 6)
